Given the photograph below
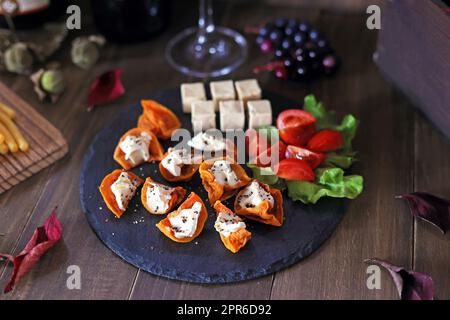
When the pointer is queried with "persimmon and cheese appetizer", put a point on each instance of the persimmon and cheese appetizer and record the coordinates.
(187, 222)
(222, 177)
(231, 227)
(160, 199)
(258, 202)
(179, 165)
(118, 188)
(158, 119)
(136, 147)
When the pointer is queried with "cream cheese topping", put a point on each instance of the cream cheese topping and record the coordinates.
(223, 173)
(207, 142)
(158, 197)
(252, 195)
(226, 224)
(184, 224)
(176, 159)
(136, 148)
(123, 189)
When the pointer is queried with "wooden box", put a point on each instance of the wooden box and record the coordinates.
(414, 53)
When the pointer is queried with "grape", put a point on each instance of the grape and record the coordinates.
(280, 23)
(330, 64)
(266, 46)
(310, 45)
(266, 29)
(280, 53)
(302, 72)
(299, 38)
(313, 55)
(300, 52)
(260, 39)
(303, 26)
(288, 63)
(286, 44)
(314, 35)
(276, 35)
(281, 73)
(289, 31)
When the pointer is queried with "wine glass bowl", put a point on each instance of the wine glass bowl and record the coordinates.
(206, 51)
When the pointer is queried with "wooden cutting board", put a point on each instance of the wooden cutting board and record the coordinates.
(47, 145)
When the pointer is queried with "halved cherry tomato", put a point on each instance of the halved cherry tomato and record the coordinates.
(264, 159)
(325, 141)
(296, 126)
(294, 169)
(313, 159)
(253, 144)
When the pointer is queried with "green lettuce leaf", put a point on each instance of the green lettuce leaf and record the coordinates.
(339, 159)
(348, 129)
(327, 120)
(330, 182)
(267, 176)
(269, 133)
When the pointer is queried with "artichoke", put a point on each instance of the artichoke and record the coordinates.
(18, 58)
(52, 81)
(85, 52)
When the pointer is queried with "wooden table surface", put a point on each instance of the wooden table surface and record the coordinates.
(399, 152)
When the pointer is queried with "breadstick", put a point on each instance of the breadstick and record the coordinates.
(2, 138)
(20, 139)
(3, 148)
(9, 112)
(9, 139)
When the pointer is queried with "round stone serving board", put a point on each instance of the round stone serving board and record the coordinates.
(135, 238)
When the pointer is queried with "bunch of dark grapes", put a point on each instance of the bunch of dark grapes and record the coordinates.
(300, 51)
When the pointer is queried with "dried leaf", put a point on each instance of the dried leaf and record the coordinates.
(105, 88)
(430, 208)
(411, 285)
(44, 237)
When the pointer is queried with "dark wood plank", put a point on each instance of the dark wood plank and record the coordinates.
(432, 173)
(99, 267)
(374, 225)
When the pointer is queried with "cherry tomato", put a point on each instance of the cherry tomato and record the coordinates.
(325, 141)
(294, 169)
(267, 158)
(254, 144)
(296, 126)
(313, 159)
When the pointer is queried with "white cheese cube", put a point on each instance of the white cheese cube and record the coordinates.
(203, 116)
(248, 90)
(259, 113)
(191, 92)
(222, 91)
(232, 115)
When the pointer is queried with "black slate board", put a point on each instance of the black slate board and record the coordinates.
(135, 238)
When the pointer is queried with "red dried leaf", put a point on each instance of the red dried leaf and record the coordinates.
(43, 239)
(105, 88)
(430, 208)
(411, 285)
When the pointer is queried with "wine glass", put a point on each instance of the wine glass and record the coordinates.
(206, 50)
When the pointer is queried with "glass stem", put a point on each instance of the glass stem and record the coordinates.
(205, 21)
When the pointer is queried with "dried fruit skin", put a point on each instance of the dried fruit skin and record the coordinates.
(264, 212)
(156, 151)
(165, 227)
(236, 240)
